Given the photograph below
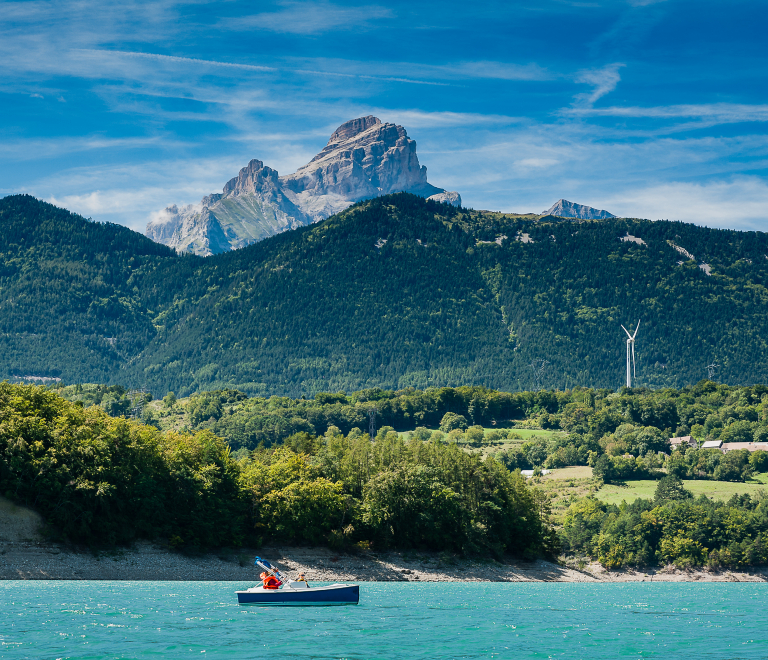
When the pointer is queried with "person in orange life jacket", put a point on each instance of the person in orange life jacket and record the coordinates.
(270, 581)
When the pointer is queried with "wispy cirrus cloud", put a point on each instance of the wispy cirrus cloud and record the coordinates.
(450, 71)
(101, 53)
(406, 72)
(493, 70)
(27, 149)
(171, 60)
(719, 112)
(310, 18)
(603, 81)
(422, 119)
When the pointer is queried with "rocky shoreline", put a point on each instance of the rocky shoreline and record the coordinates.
(36, 560)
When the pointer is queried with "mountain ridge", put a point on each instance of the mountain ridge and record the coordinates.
(394, 292)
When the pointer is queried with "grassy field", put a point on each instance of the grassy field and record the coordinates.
(717, 490)
(565, 485)
(574, 472)
(527, 434)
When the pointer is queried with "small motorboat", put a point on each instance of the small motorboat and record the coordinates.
(295, 592)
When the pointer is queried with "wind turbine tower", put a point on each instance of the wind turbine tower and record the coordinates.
(631, 349)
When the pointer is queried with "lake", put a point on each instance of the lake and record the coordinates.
(90, 620)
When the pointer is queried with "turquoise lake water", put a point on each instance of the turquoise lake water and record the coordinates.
(89, 620)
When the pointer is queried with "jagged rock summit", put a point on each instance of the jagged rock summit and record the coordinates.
(364, 158)
(565, 209)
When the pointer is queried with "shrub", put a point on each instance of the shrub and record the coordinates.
(496, 436)
(734, 466)
(452, 421)
(474, 435)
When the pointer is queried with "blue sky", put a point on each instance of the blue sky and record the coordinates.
(645, 108)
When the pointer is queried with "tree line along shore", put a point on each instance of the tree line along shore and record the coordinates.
(222, 469)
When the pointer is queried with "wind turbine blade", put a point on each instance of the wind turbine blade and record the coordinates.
(636, 329)
(627, 331)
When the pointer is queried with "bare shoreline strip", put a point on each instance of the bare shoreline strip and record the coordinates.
(34, 560)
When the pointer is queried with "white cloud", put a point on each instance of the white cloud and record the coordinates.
(603, 81)
(722, 113)
(128, 195)
(421, 119)
(310, 18)
(738, 203)
(96, 202)
(540, 163)
(100, 54)
(493, 70)
(37, 149)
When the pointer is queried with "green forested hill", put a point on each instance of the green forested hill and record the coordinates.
(393, 292)
(74, 294)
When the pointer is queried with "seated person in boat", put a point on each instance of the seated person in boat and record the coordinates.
(270, 581)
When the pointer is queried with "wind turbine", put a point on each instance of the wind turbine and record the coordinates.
(631, 341)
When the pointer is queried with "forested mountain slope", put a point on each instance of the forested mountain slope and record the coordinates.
(394, 292)
(74, 294)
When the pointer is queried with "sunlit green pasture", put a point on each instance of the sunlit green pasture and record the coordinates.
(717, 490)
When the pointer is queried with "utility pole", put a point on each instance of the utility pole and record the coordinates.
(372, 422)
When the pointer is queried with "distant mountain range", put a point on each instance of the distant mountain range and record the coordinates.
(565, 209)
(364, 158)
(394, 292)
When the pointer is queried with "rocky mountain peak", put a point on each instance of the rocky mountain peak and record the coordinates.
(253, 177)
(565, 209)
(364, 158)
(352, 127)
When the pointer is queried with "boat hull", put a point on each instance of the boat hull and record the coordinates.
(342, 594)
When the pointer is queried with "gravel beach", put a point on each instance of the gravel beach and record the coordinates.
(34, 560)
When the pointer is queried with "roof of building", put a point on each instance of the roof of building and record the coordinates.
(712, 444)
(681, 439)
(529, 473)
(751, 446)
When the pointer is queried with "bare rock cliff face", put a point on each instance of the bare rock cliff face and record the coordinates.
(363, 159)
(565, 209)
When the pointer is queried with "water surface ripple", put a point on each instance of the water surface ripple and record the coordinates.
(95, 619)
